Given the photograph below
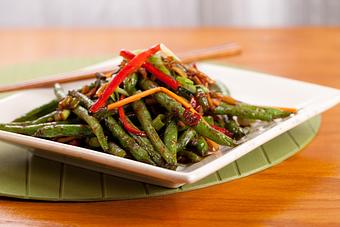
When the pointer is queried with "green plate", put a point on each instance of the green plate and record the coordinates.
(27, 176)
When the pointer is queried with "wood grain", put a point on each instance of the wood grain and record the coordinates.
(303, 190)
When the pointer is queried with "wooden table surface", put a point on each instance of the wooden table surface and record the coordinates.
(304, 190)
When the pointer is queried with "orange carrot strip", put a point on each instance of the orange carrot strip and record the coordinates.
(287, 109)
(229, 100)
(212, 145)
(146, 93)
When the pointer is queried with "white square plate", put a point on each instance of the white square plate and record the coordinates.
(248, 86)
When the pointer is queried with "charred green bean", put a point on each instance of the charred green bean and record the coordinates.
(185, 138)
(54, 131)
(250, 112)
(171, 136)
(38, 112)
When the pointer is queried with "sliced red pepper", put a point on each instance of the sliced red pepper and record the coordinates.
(129, 127)
(223, 130)
(132, 66)
(168, 80)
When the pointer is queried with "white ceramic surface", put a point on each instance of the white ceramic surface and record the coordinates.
(248, 86)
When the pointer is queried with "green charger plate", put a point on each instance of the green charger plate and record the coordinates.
(27, 176)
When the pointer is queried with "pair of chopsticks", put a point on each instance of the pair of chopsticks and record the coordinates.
(225, 50)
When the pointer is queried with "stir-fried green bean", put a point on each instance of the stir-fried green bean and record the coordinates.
(58, 115)
(170, 137)
(38, 112)
(97, 129)
(24, 129)
(250, 112)
(139, 154)
(158, 123)
(53, 131)
(201, 146)
(190, 155)
(93, 142)
(130, 83)
(116, 150)
(144, 118)
(82, 98)
(202, 99)
(87, 103)
(209, 120)
(113, 148)
(187, 84)
(145, 143)
(157, 61)
(44, 119)
(185, 138)
(128, 142)
(234, 128)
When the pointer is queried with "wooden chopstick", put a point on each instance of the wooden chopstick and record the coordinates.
(220, 51)
(51, 80)
(225, 50)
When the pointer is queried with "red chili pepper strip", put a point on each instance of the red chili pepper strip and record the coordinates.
(133, 65)
(223, 130)
(168, 80)
(126, 124)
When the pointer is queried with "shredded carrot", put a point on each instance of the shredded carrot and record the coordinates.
(196, 80)
(205, 77)
(210, 100)
(287, 109)
(229, 100)
(202, 76)
(213, 146)
(146, 93)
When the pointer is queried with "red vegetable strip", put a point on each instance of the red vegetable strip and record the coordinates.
(129, 68)
(126, 124)
(168, 80)
(171, 82)
(223, 130)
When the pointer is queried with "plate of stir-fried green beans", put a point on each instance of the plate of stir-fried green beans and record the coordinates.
(158, 120)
